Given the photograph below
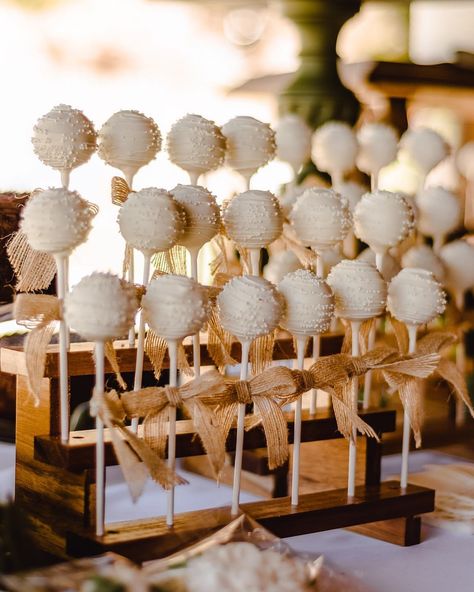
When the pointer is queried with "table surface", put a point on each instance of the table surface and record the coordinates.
(444, 561)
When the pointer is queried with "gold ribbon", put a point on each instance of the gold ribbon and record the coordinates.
(120, 191)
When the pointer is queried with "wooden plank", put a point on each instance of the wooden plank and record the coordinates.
(401, 531)
(79, 453)
(80, 362)
(146, 539)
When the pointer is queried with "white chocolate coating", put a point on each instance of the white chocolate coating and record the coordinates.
(309, 303)
(335, 148)
(390, 266)
(439, 211)
(423, 257)
(151, 220)
(64, 138)
(249, 307)
(196, 144)
(352, 191)
(360, 291)
(101, 307)
(203, 219)
(425, 147)
(415, 297)
(383, 219)
(280, 263)
(129, 140)
(175, 306)
(321, 218)
(250, 144)
(378, 145)
(293, 140)
(458, 260)
(56, 221)
(253, 219)
(465, 160)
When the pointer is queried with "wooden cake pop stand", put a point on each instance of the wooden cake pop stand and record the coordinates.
(55, 482)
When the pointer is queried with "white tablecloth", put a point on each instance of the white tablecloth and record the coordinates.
(444, 562)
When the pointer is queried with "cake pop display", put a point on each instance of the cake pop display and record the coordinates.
(439, 213)
(150, 221)
(360, 294)
(250, 145)
(196, 145)
(334, 150)
(248, 307)
(56, 221)
(100, 307)
(63, 139)
(414, 298)
(423, 257)
(253, 220)
(293, 141)
(425, 147)
(309, 309)
(378, 145)
(174, 306)
(465, 165)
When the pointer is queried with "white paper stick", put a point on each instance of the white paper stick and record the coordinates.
(368, 375)
(374, 181)
(313, 403)
(412, 330)
(337, 179)
(193, 178)
(239, 445)
(247, 179)
(65, 176)
(355, 326)
(295, 477)
(129, 175)
(99, 447)
(63, 369)
(137, 384)
(66, 290)
(173, 354)
(193, 253)
(254, 261)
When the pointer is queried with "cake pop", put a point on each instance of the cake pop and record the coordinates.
(334, 150)
(465, 165)
(378, 145)
(458, 260)
(390, 266)
(293, 141)
(439, 213)
(425, 148)
(423, 257)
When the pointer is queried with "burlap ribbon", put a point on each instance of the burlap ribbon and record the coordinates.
(34, 270)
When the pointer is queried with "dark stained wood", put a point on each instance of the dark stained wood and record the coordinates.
(400, 531)
(373, 460)
(78, 454)
(146, 539)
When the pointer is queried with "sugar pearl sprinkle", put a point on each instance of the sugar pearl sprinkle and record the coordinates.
(196, 144)
(415, 297)
(321, 218)
(309, 303)
(64, 138)
(175, 306)
(253, 219)
(249, 307)
(56, 221)
(101, 307)
(359, 290)
(151, 220)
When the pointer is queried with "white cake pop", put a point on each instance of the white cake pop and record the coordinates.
(309, 303)
(129, 140)
(415, 297)
(458, 260)
(250, 144)
(390, 266)
(151, 220)
(439, 213)
(425, 147)
(352, 191)
(335, 149)
(202, 215)
(279, 264)
(321, 218)
(465, 160)
(249, 307)
(293, 140)
(56, 221)
(175, 306)
(196, 145)
(253, 219)
(378, 145)
(359, 290)
(423, 257)
(101, 307)
(64, 139)
(382, 220)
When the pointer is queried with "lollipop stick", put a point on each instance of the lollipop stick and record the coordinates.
(65, 175)
(412, 330)
(193, 178)
(131, 279)
(368, 376)
(355, 325)
(66, 290)
(313, 404)
(99, 447)
(295, 477)
(438, 242)
(137, 385)
(61, 263)
(239, 445)
(319, 266)
(196, 338)
(374, 181)
(173, 353)
(254, 261)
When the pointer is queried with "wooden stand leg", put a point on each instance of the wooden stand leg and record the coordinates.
(399, 531)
